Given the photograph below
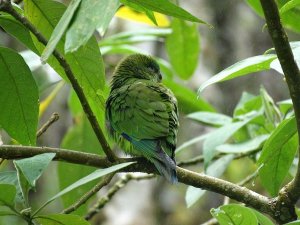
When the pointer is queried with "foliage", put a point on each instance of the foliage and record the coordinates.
(259, 128)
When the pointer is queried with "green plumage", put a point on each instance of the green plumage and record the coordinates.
(141, 113)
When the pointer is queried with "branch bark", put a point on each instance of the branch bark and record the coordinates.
(6, 6)
(290, 194)
(187, 177)
(291, 72)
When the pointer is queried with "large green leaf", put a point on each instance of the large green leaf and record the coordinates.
(165, 7)
(211, 118)
(216, 169)
(93, 176)
(86, 62)
(288, 6)
(234, 214)
(60, 29)
(18, 98)
(10, 177)
(16, 29)
(183, 48)
(33, 167)
(250, 65)
(29, 170)
(82, 138)
(8, 198)
(187, 99)
(61, 219)
(277, 155)
(262, 219)
(130, 37)
(91, 14)
(219, 136)
(191, 142)
(243, 147)
(290, 19)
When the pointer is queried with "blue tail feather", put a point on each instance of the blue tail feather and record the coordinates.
(152, 150)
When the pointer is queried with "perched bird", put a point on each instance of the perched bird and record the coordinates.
(142, 115)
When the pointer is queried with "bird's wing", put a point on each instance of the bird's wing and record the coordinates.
(142, 110)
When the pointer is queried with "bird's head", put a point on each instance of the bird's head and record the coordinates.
(140, 67)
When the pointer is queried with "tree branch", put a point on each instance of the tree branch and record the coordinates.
(89, 194)
(187, 177)
(5, 6)
(291, 192)
(54, 117)
(112, 191)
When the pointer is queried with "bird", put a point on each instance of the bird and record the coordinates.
(141, 113)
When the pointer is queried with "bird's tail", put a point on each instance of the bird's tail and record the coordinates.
(153, 151)
(165, 166)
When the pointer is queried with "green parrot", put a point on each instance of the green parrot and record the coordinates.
(142, 114)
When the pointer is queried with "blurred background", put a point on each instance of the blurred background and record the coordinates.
(237, 33)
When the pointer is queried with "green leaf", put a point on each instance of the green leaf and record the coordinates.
(29, 170)
(10, 177)
(216, 169)
(183, 48)
(277, 66)
(243, 147)
(250, 65)
(87, 20)
(247, 104)
(290, 19)
(285, 106)
(187, 99)
(164, 7)
(7, 213)
(191, 142)
(277, 155)
(93, 176)
(210, 118)
(219, 136)
(33, 167)
(8, 198)
(79, 137)
(288, 6)
(262, 219)
(142, 10)
(234, 214)
(60, 29)
(61, 219)
(130, 37)
(86, 63)
(271, 111)
(16, 29)
(18, 98)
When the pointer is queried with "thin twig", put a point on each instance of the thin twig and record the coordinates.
(54, 117)
(5, 5)
(248, 178)
(112, 191)
(104, 181)
(200, 158)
